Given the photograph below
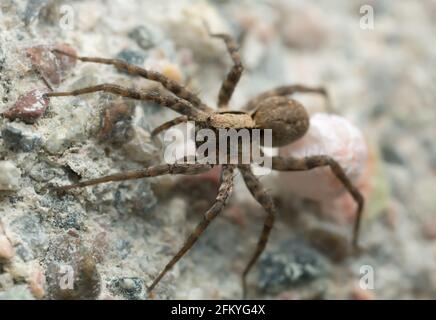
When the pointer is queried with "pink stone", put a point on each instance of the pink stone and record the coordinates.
(29, 107)
(53, 66)
(338, 138)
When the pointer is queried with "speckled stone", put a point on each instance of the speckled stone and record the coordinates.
(132, 56)
(19, 137)
(294, 264)
(29, 106)
(9, 176)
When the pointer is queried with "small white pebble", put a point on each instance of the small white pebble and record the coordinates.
(9, 176)
(127, 284)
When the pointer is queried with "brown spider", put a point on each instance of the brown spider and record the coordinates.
(287, 118)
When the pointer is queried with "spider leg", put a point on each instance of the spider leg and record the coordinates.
(153, 171)
(266, 201)
(224, 192)
(232, 78)
(132, 69)
(169, 124)
(43, 78)
(289, 90)
(177, 104)
(308, 163)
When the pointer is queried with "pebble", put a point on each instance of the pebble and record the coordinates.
(132, 56)
(31, 232)
(429, 229)
(195, 294)
(36, 282)
(29, 106)
(10, 176)
(18, 292)
(362, 294)
(72, 128)
(187, 29)
(43, 172)
(253, 51)
(6, 281)
(140, 148)
(330, 135)
(23, 253)
(172, 71)
(87, 80)
(123, 247)
(135, 198)
(127, 284)
(390, 154)
(116, 122)
(65, 212)
(20, 137)
(33, 7)
(129, 288)
(330, 242)
(69, 261)
(308, 21)
(6, 250)
(53, 66)
(294, 264)
(164, 66)
(146, 36)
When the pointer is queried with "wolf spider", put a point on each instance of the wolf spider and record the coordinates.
(272, 109)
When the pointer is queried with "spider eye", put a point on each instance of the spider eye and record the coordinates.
(287, 118)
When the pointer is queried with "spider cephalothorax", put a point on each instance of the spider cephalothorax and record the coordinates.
(272, 109)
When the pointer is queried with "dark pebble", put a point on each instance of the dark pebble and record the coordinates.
(29, 107)
(19, 138)
(132, 56)
(391, 155)
(129, 288)
(294, 264)
(52, 65)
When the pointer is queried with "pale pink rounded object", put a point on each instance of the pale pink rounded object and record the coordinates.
(330, 135)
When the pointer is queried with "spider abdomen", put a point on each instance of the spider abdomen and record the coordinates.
(287, 118)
